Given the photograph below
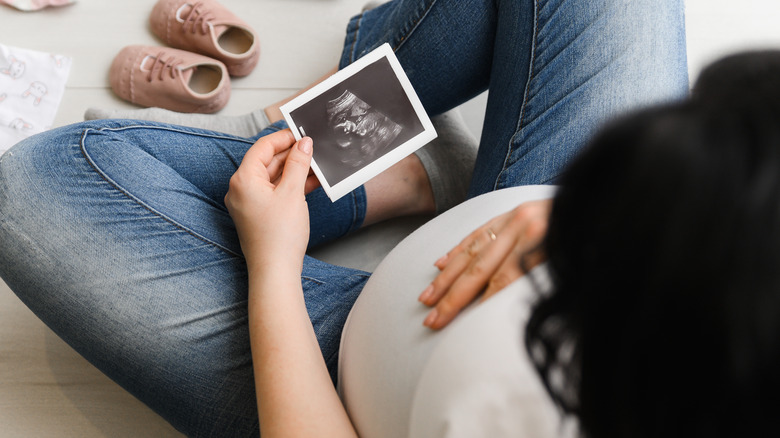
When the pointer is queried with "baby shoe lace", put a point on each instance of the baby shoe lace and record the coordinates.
(160, 66)
(196, 17)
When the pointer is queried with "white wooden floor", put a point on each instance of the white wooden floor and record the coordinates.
(46, 389)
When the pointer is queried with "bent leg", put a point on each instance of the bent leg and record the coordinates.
(445, 47)
(588, 62)
(556, 70)
(139, 268)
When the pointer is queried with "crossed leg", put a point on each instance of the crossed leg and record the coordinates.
(115, 234)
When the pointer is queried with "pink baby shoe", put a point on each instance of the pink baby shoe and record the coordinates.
(171, 79)
(208, 28)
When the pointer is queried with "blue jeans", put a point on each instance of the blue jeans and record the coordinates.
(115, 233)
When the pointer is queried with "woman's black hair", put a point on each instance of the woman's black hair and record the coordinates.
(664, 253)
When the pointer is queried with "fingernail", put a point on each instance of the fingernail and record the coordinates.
(431, 318)
(441, 260)
(305, 145)
(426, 294)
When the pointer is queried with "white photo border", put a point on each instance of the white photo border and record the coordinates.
(353, 181)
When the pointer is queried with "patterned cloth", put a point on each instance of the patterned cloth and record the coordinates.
(34, 5)
(31, 88)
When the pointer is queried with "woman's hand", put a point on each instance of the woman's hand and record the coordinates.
(486, 261)
(267, 203)
(295, 395)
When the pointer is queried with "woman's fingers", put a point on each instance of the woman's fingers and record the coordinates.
(475, 271)
(265, 163)
(275, 143)
(276, 167)
(469, 266)
(456, 262)
(296, 167)
(486, 261)
(467, 245)
(262, 157)
(494, 263)
(526, 255)
(277, 164)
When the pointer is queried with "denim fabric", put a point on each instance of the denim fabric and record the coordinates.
(556, 70)
(139, 269)
(115, 233)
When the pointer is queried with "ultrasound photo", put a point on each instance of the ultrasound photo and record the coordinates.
(362, 120)
(360, 130)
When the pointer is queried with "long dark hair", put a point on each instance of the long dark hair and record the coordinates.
(664, 250)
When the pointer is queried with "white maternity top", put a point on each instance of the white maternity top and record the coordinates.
(398, 378)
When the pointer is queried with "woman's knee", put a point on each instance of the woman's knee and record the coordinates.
(45, 159)
(32, 170)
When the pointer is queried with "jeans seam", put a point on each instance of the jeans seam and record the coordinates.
(320, 282)
(524, 105)
(360, 210)
(403, 36)
(94, 166)
(354, 212)
(312, 279)
(413, 26)
(530, 66)
(355, 38)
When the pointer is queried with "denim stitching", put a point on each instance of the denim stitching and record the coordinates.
(531, 76)
(359, 208)
(414, 23)
(531, 65)
(355, 39)
(405, 32)
(320, 282)
(354, 212)
(313, 280)
(105, 177)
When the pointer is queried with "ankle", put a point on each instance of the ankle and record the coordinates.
(425, 200)
(402, 190)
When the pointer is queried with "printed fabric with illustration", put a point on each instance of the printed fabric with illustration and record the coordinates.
(31, 87)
